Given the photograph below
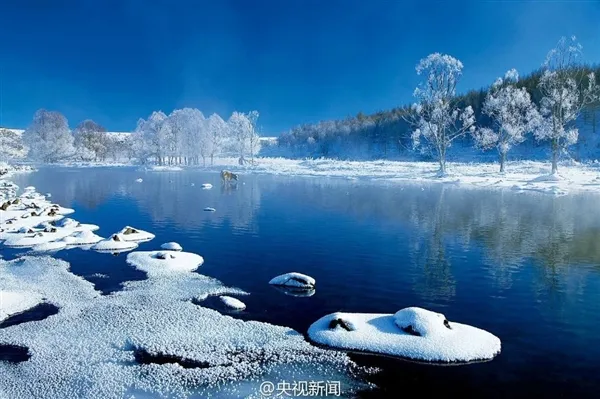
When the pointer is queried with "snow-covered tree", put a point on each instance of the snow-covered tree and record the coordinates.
(565, 91)
(48, 137)
(151, 138)
(239, 127)
(91, 141)
(253, 136)
(11, 145)
(512, 114)
(217, 128)
(436, 117)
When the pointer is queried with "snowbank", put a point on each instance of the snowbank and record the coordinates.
(116, 243)
(412, 333)
(129, 233)
(159, 263)
(171, 246)
(233, 303)
(14, 302)
(296, 280)
(131, 333)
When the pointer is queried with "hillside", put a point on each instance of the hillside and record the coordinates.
(385, 134)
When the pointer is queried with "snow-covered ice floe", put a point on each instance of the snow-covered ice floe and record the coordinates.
(412, 333)
(209, 209)
(129, 233)
(51, 246)
(148, 340)
(14, 302)
(84, 237)
(75, 225)
(232, 303)
(139, 180)
(293, 279)
(159, 263)
(207, 186)
(114, 243)
(171, 246)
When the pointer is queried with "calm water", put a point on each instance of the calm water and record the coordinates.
(525, 267)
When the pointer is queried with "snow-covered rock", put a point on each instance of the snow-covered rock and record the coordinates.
(14, 302)
(160, 263)
(84, 237)
(209, 209)
(132, 234)
(115, 243)
(293, 279)
(171, 246)
(232, 303)
(207, 186)
(412, 333)
(51, 246)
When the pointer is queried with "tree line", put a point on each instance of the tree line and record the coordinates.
(185, 136)
(544, 105)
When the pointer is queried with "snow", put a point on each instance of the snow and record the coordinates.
(155, 317)
(84, 237)
(293, 279)
(114, 244)
(209, 209)
(383, 333)
(51, 246)
(139, 180)
(129, 233)
(14, 302)
(207, 186)
(160, 263)
(171, 246)
(157, 168)
(232, 302)
(19, 240)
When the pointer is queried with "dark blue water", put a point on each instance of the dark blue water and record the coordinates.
(525, 267)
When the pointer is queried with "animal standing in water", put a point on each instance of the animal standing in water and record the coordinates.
(228, 176)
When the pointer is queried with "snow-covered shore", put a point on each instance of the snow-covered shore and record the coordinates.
(522, 176)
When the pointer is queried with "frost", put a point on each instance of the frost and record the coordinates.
(412, 333)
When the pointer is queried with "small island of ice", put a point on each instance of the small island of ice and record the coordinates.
(129, 233)
(171, 246)
(115, 243)
(412, 333)
(51, 246)
(139, 180)
(209, 209)
(207, 186)
(293, 279)
(84, 237)
(160, 263)
(233, 303)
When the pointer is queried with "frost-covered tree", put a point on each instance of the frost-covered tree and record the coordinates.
(91, 141)
(565, 91)
(512, 113)
(48, 137)
(436, 117)
(239, 127)
(253, 136)
(151, 138)
(217, 129)
(11, 145)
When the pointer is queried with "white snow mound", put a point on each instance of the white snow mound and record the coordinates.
(294, 279)
(115, 243)
(412, 333)
(84, 237)
(233, 303)
(132, 234)
(209, 209)
(160, 263)
(207, 186)
(171, 246)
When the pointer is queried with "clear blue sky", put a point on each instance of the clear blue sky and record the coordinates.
(293, 61)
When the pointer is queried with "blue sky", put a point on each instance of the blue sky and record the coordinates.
(293, 61)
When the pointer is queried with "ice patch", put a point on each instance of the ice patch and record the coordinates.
(209, 209)
(411, 333)
(115, 243)
(52, 246)
(171, 246)
(233, 303)
(84, 237)
(207, 186)
(129, 233)
(297, 280)
(13, 302)
(160, 263)
(139, 180)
